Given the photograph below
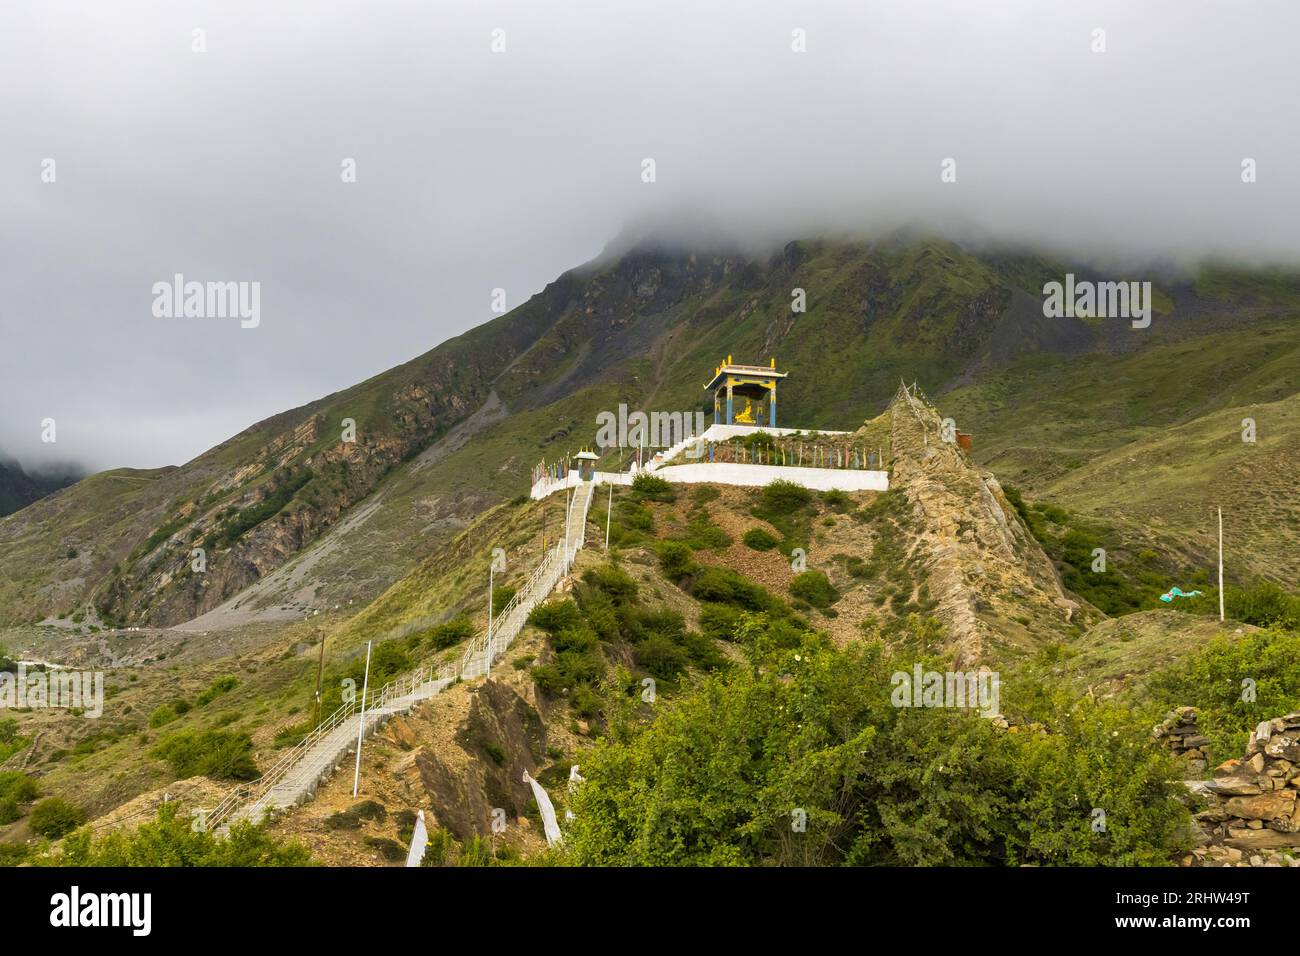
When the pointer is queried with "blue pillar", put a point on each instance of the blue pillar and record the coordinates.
(771, 409)
(730, 421)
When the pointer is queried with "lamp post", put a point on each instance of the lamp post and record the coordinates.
(609, 513)
(487, 651)
(361, 724)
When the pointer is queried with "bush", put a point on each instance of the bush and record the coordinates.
(585, 701)
(218, 687)
(815, 588)
(837, 500)
(615, 582)
(653, 488)
(501, 596)
(446, 635)
(577, 660)
(292, 735)
(555, 616)
(759, 540)
(1211, 679)
(1264, 605)
(726, 586)
(163, 715)
(388, 659)
(675, 560)
(54, 817)
(719, 622)
(389, 849)
(814, 727)
(661, 656)
(211, 753)
(784, 497)
(702, 534)
(632, 515)
(353, 816)
(171, 840)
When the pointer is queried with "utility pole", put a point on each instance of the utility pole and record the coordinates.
(1220, 565)
(361, 724)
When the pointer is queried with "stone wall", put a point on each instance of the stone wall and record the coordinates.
(1182, 736)
(1253, 817)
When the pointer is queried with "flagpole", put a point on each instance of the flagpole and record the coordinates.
(1220, 565)
(361, 724)
(609, 514)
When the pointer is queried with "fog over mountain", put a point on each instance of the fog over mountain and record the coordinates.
(479, 170)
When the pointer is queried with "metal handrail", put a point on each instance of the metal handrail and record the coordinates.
(554, 565)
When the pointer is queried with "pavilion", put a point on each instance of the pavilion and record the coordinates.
(752, 385)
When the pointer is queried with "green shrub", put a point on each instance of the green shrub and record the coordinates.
(1264, 605)
(675, 560)
(405, 820)
(815, 588)
(653, 488)
(8, 810)
(446, 635)
(661, 656)
(719, 621)
(212, 753)
(555, 616)
(634, 516)
(585, 701)
(1212, 679)
(702, 534)
(172, 840)
(218, 687)
(726, 586)
(837, 500)
(501, 597)
(163, 715)
(355, 815)
(388, 849)
(54, 817)
(292, 735)
(784, 497)
(759, 540)
(814, 727)
(614, 581)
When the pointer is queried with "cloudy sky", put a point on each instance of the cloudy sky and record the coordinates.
(478, 169)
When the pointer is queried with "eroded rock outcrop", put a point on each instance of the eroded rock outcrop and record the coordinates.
(983, 566)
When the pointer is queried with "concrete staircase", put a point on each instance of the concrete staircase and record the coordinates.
(296, 775)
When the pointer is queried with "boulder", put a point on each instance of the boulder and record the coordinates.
(1280, 804)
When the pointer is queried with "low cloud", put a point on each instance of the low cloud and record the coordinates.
(478, 170)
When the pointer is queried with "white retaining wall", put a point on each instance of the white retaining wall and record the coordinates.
(819, 479)
(730, 473)
(571, 480)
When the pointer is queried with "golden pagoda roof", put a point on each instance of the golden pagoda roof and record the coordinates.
(743, 371)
